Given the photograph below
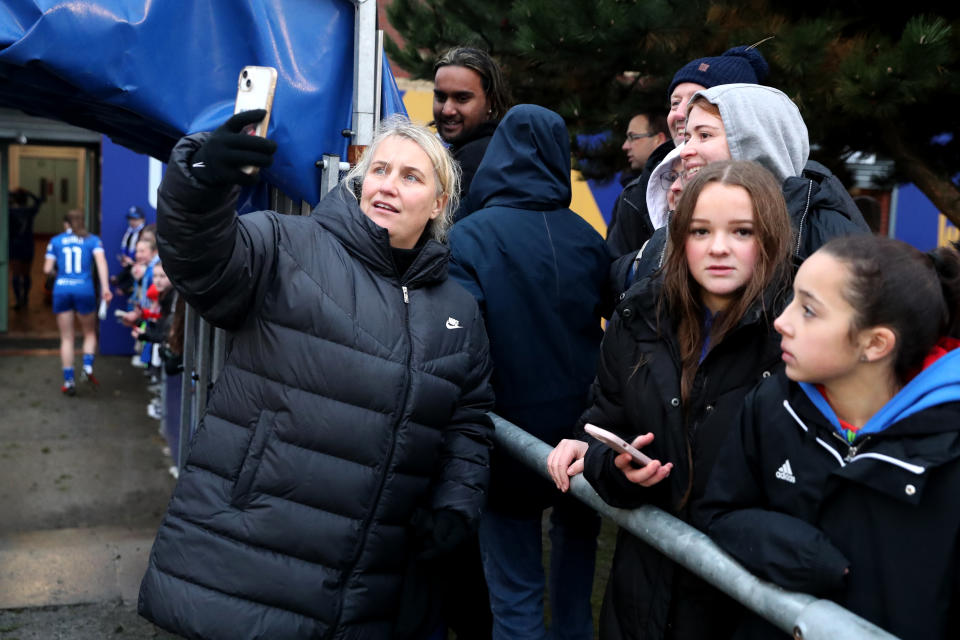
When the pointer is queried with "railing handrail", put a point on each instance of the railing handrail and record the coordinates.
(802, 615)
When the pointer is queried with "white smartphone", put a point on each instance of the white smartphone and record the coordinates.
(255, 89)
(617, 443)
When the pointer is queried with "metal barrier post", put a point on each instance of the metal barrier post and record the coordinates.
(799, 614)
(164, 419)
(203, 367)
(187, 383)
(330, 174)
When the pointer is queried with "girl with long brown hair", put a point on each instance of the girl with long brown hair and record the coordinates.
(679, 355)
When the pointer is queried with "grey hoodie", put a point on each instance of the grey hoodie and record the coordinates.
(762, 124)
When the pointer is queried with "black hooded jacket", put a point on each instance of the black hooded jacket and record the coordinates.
(350, 396)
(539, 272)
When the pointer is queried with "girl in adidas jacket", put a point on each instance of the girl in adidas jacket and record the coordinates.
(842, 479)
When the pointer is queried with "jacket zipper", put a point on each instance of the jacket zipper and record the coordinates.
(803, 218)
(853, 451)
(386, 467)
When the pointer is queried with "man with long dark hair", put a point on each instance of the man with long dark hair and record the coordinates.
(469, 98)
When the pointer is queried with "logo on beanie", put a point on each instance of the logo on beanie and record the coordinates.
(703, 67)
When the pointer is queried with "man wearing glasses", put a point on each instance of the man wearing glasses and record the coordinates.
(647, 140)
(646, 132)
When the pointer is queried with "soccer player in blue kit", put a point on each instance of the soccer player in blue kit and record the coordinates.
(73, 254)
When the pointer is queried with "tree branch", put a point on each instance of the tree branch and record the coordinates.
(941, 191)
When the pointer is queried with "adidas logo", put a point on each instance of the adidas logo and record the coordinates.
(453, 323)
(786, 473)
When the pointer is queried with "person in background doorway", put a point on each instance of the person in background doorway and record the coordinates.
(73, 254)
(23, 208)
(469, 98)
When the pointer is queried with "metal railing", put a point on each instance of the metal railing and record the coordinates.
(801, 615)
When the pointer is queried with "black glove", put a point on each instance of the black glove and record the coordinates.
(448, 530)
(220, 160)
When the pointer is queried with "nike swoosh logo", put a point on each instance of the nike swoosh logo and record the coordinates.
(453, 324)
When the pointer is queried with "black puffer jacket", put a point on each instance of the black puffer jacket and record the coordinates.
(638, 390)
(349, 397)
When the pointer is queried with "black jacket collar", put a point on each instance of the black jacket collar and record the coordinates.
(340, 214)
(484, 130)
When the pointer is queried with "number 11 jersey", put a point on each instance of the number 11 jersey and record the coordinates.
(74, 256)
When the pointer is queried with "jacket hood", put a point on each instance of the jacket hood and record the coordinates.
(937, 384)
(828, 193)
(339, 213)
(527, 165)
(657, 206)
(762, 124)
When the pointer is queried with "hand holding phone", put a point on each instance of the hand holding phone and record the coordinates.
(255, 89)
(221, 159)
(617, 443)
(233, 152)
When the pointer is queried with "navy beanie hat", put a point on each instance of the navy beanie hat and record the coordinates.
(739, 64)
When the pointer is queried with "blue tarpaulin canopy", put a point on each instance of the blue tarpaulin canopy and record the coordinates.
(145, 72)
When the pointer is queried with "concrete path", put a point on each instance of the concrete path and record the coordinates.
(83, 486)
